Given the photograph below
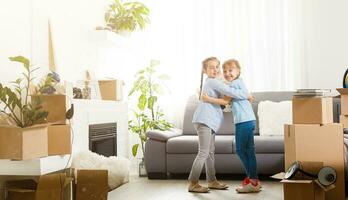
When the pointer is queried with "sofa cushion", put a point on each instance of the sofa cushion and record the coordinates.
(163, 135)
(190, 108)
(188, 144)
(266, 144)
(273, 116)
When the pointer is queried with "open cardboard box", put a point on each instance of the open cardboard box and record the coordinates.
(49, 187)
(111, 89)
(317, 143)
(56, 105)
(85, 185)
(23, 143)
(59, 139)
(302, 187)
(312, 110)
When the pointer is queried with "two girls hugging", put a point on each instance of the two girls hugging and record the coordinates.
(208, 117)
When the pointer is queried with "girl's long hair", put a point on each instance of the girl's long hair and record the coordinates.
(204, 67)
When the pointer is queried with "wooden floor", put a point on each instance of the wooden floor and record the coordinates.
(176, 189)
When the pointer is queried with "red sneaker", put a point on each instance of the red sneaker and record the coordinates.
(255, 183)
(246, 181)
(249, 188)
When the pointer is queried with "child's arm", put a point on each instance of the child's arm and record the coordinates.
(243, 87)
(220, 101)
(228, 91)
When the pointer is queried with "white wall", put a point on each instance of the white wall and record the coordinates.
(73, 25)
(326, 42)
(24, 31)
(15, 30)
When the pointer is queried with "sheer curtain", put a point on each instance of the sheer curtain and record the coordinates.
(264, 35)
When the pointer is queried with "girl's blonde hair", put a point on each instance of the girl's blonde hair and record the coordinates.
(232, 63)
(204, 67)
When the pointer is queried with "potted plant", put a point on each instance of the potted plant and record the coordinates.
(54, 98)
(148, 114)
(126, 17)
(24, 113)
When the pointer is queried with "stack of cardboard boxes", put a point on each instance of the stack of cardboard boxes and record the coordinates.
(59, 132)
(43, 140)
(52, 138)
(313, 137)
(40, 140)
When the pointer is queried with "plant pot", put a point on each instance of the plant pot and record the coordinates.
(142, 169)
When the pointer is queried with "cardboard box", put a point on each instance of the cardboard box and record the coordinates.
(317, 143)
(302, 190)
(344, 100)
(49, 187)
(111, 89)
(92, 184)
(23, 143)
(21, 189)
(6, 178)
(56, 105)
(344, 120)
(312, 110)
(301, 187)
(59, 140)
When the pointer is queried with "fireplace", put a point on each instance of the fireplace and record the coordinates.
(103, 139)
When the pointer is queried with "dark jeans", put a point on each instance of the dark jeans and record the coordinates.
(245, 147)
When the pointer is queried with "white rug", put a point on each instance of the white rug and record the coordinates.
(118, 167)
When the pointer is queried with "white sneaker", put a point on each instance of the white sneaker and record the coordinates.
(249, 188)
(198, 188)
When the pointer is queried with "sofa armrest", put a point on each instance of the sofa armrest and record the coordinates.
(163, 135)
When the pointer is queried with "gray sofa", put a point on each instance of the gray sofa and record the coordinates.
(173, 152)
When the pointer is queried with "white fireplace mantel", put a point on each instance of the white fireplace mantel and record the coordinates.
(94, 112)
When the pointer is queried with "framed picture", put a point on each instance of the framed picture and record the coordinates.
(89, 89)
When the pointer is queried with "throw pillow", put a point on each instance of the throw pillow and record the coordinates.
(273, 116)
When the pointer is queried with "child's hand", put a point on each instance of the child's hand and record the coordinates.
(228, 99)
(204, 97)
(224, 102)
(251, 98)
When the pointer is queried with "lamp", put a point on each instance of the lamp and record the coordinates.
(326, 175)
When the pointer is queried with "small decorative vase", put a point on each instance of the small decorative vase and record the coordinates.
(142, 169)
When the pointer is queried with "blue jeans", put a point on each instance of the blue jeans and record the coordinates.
(245, 147)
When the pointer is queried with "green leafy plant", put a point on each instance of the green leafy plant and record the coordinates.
(148, 116)
(47, 84)
(16, 103)
(128, 16)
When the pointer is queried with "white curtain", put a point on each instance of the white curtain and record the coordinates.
(264, 35)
